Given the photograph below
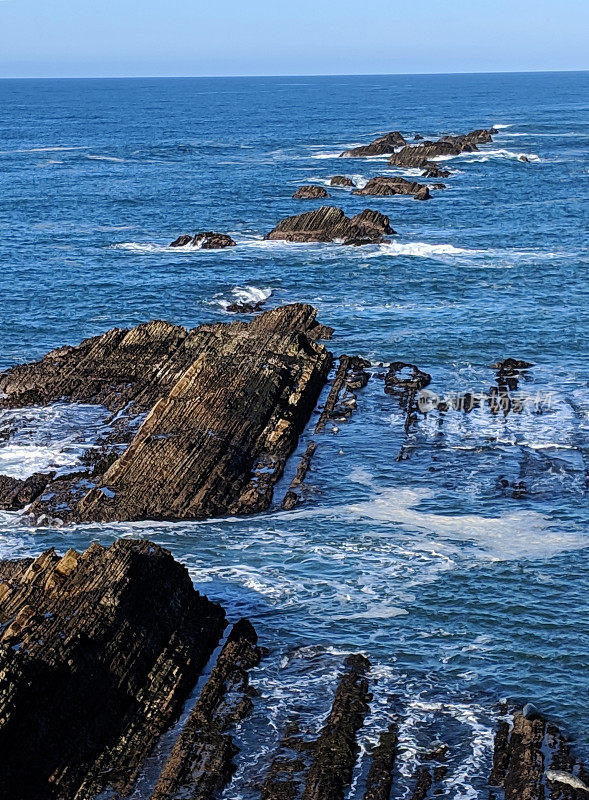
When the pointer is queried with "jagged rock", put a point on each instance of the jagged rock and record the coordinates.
(511, 365)
(16, 493)
(201, 762)
(351, 375)
(382, 146)
(405, 377)
(433, 171)
(336, 748)
(98, 652)
(533, 761)
(418, 137)
(209, 240)
(421, 156)
(380, 775)
(228, 404)
(310, 193)
(293, 496)
(246, 308)
(386, 186)
(341, 180)
(330, 224)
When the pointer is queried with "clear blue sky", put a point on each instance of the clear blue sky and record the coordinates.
(259, 37)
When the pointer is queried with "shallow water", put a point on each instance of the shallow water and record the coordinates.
(461, 590)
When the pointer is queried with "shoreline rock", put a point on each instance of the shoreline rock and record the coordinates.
(310, 193)
(384, 186)
(209, 240)
(330, 224)
(423, 155)
(341, 180)
(382, 146)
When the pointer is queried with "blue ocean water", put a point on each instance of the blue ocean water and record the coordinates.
(461, 590)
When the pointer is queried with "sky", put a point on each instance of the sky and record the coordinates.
(104, 38)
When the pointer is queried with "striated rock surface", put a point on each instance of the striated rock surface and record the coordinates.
(228, 403)
(98, 651)
(341, 180)
(330, 224)
(310, 193)
(380, 775)
(382, 146)
(209, 240)
(422, 156)
(201, 762)
(386, 186)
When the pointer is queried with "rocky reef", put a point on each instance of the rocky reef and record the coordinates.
(204, 241)
(310, 193)
(382, 146)
(341, 180)
(226, 403)
(330, 224)
(421, 156)
(385, 186)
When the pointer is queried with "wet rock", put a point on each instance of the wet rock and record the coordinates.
(201, 762)
(423, 783)
(310, 193)
(209, 240)
(341, 180)
(512, 365)
(98, 652)
(533, 761)
(407, 377)
(433, 171)
(336, 748)
(246, 307)
(524, 158)
(386, 186)
(293, 496)
(380, 774)
(351, 375)
(291, 760)
(15, 494)
(423, 155)
(418, 137)
(382, 146)
(330, 224)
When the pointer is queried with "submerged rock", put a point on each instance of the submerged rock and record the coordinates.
(330, 224)
(385, 186)
(204, 241)
(341, 180)
(227, 404)
(98, 652)
(382, 146)
(310, 193)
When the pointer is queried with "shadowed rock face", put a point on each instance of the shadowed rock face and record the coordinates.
(204, 241)
(386, 186)
(382, 146)
(341, 180)
(420, 156)
(98, 651)
(310, 193)
(228, 403)
(330, 224)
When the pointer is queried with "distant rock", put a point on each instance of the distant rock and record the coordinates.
(341, 180)
(433, 171)
(246, 306)
(418, 137)
(330, 224)
(382, 146)
(422, 156)
(204, 241)
(310, 193)
(386, 186)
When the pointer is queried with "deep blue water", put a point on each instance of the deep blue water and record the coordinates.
(460, 592)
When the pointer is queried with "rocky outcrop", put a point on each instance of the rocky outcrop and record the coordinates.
(341, 180)
(310, 193)
(533, 761)
(384, 145)
(386, 186)
(16, 493)
(209, 240)
(201, 762)
(380, 775)
(227, 405)
(423, 155)
(351, 375)
(330, 224)
(98, 652)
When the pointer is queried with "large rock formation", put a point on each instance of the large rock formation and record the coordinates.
(382, 146)
(209, 240)
(227, 405)
(422, 156)
(98, 652)
(310, 193)
(330, 224)
(386, 186)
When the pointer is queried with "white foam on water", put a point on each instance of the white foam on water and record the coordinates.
(40, 150)
(245, 294)
(499, 127)
(145, 247)
(327, 155)
(105, 158)
(423, 250)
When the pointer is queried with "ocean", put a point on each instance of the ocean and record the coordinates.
(453, 554)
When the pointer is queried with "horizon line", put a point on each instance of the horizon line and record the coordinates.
(291, 75)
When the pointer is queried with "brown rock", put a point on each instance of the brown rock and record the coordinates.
(310, 193)
(341, 180)
(386, 186)
(382, 146)
(16, 494)
(209, 240)
(330, 224)
(98, 652)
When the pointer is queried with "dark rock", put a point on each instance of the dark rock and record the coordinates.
(433, 171)
(16, 494)
(330, 224)
(386, 186)
(380, 775)
(423, 783)
(511, 365)
(418, 137)
(524, 158)
(201, 762)
(406, 377)
(341, 180)
(293, 496)
(422, 156)
(382, 146)
(336, 748)
(350, 376)
(209, 240)
(246, 308)
(310, 193)
(98, 652)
